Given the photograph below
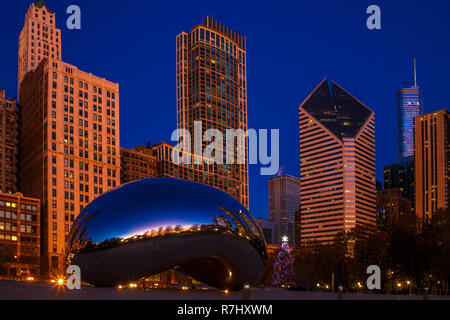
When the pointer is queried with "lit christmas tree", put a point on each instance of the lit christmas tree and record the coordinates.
(283, 268)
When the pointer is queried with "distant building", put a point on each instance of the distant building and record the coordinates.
(268, 229)
(432, 163)
(394, 210)
(19, 236)
(9, 135)
(409, 106)
(137, 163)
(284, 200)
(401, 176)
(379, 185)
(337, 164)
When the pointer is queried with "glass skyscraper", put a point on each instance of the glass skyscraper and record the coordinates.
(409, 106)
(212, 88)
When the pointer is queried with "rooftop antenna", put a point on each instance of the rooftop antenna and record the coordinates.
(415, 73)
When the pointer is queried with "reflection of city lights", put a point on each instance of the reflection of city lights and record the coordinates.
(151, 231)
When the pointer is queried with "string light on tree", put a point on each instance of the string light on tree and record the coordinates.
(283, 269)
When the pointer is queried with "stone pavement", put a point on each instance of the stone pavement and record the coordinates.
(44, 291)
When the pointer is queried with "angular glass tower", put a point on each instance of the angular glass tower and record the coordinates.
(409, 106)
(337, 164)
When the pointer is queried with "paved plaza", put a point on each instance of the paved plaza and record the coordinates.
(43, 291)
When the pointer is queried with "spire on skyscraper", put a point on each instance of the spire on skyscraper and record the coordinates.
(415, 73)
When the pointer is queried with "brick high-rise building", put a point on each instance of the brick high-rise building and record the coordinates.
(70, 133)
(212, 88)
(337, 164)
(9, 134)
(432, 163)
(38, 39)
(284, 201)
(137, 163)
(69, 147)
(19, 236)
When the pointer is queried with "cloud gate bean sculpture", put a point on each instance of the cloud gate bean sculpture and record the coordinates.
(149, 226)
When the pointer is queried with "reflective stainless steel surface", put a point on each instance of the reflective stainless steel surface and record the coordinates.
(150, 226)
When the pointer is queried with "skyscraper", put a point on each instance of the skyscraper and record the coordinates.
(337, 164)
(9, 139)
(38, 39)
(212, 88)
(284, 200)
(69, 144)
(432, 163)
(409, 106)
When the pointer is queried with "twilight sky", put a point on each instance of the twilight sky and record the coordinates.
(291, 47)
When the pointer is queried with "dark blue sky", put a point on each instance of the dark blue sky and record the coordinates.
(291, 47)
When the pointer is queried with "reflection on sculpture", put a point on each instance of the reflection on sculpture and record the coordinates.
(150, 226)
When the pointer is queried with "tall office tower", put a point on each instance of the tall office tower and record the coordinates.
(212, 88)
(401, 176)
(284, 201)
(409, 106)
(69, 147)
(432, 163)
(9, 134)
(337, 164)
(38, 39)
(137, 163)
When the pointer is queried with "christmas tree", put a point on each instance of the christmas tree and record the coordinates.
(283, 268)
